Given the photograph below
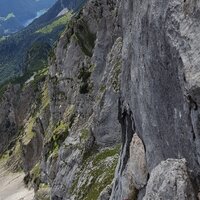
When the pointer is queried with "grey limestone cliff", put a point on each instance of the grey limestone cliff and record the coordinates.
(117, 116)
(160, 87)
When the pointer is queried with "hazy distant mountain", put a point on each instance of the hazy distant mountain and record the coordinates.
(38, 37)
(54, 11)
(15, 14)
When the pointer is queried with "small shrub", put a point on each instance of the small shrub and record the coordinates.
(84, 88)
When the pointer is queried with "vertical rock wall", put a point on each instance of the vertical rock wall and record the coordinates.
(160, 84)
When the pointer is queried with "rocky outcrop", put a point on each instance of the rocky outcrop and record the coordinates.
(135, 174)
(8, 124)
(16, 105)
(24, 120)
(170, 180)
(84, 80)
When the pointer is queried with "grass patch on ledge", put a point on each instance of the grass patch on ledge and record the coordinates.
(35, 172)
(14, 162)
(97, 173)
(115, 80)
(59, 134)
(4, 158)
(63, 20)
(29, 134)
(84, 134)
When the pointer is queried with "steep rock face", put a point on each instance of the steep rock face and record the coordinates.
(24, 120)
(160, 82)
(132, 174)
(8, 122)
(133, 63)
(15, 108)
(84, 80)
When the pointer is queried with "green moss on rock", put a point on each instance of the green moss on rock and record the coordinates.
(35, 177)
(59, 134)
(85, 134)
(35, 172)
(115, 79)
(29, 133)
(102, 88)
(70, 115)
(105, 154)
(97, 173)
(43, 192)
